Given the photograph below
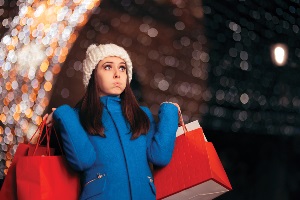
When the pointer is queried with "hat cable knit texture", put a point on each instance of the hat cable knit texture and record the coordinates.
(95, 54)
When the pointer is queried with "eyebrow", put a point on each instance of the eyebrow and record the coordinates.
(112, 62)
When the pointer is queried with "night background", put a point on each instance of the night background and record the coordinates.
(214, 58)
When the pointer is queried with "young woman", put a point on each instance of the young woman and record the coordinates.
(108, 137)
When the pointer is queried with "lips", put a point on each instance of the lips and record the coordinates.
(117, 84)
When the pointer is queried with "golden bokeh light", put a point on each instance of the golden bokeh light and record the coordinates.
(25, 92)
(48, 86)
(44, 66)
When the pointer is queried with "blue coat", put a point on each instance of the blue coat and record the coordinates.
(116, 167)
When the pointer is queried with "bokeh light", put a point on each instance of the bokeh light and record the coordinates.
(36, 42)
(279, 54)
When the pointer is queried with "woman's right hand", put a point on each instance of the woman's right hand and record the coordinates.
(49, 118)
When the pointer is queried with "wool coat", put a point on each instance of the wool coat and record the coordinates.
(116, 167)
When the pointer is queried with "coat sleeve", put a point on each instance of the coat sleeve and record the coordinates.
(79, 151)
(161, 136)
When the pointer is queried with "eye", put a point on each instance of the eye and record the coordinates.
(122, 68)
(107, 67)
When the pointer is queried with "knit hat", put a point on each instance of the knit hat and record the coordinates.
(95, 54)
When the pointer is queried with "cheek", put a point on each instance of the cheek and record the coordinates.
(124, 78)
(101, 81)
(102, 84)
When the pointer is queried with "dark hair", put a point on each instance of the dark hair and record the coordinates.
(90, 110)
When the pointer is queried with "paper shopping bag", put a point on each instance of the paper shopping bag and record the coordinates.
(195, 170)
(46, 178)
(9, 187)
(36, 174)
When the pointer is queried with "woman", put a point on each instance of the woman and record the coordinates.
(108, 137)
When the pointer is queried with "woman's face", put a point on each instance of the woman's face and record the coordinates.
(111, 76)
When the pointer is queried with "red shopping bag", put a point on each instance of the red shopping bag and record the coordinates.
(38, 175)
(195, 170)
(46, 177)
(9, 187)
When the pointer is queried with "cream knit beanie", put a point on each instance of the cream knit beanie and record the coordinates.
(95, 54)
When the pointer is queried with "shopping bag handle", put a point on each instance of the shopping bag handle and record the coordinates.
(181, 122)
(38, 130)
(185, 130)
(62, 153)
(47, 135)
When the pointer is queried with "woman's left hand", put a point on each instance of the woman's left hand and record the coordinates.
(49, 118)
(180, 119)
(175, 104)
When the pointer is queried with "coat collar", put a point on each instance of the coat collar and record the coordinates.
(112, 103)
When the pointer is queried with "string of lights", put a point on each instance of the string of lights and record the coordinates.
(31, 54)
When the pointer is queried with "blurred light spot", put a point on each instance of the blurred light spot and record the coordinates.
(163, 85)
(185, 41)
(48, 86)
(65, 93)
(244, 65)
(279, 54)
(152, 32)
(244, 98)
(179, 25)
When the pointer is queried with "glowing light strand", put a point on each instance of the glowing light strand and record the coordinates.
(31, 54)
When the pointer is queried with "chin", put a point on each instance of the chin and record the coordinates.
(115, 93)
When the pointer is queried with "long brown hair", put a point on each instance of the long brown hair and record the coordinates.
(90, 110)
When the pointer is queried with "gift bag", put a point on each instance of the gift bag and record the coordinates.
(9, 187)
(46, 177)
(39, 175)
(195, 170)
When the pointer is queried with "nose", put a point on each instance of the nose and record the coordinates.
(117, 74)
